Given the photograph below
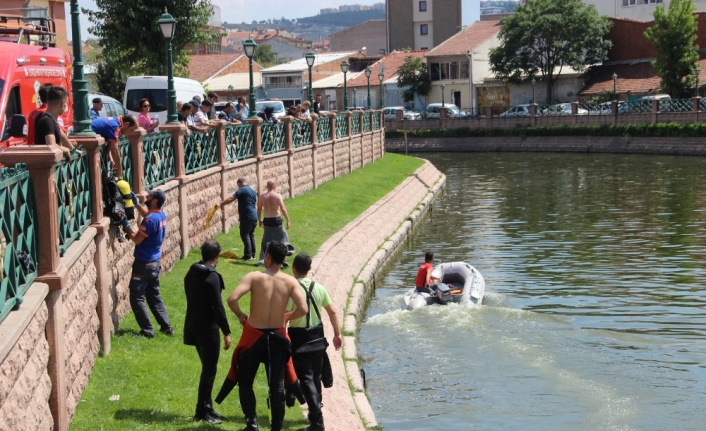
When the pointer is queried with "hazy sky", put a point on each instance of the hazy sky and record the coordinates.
(245, 10)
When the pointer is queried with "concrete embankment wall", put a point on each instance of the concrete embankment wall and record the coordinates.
(347, 265)
(48, 347)
(576, 144)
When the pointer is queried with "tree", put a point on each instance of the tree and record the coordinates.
(543, 36)
(264, 55)
(133, 42)
(110, 81)
(413, 76)
(674, 37)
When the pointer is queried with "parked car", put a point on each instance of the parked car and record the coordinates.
(219, 106)
(434, 110)
(111, 107)
(277, 104)
(154, 88)
(391, 113)
(517, 111)
(563, 109)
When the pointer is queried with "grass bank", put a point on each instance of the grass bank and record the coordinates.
(157, 379)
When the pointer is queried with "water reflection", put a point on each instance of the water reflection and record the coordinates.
(594, 315)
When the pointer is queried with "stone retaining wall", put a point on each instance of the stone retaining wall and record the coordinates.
(581, 144)
(347, 265)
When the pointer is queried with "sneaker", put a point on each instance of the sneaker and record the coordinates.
(169, 332)
(260, 263)
(146, 334)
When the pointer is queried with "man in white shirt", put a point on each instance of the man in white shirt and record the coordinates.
(201, 121)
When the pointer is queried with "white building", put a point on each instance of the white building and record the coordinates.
(642, 10)
(215, 20)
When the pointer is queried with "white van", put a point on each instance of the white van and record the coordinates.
(155, 89)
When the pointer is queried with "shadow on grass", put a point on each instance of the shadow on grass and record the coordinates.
(127, 332)
(147, 416)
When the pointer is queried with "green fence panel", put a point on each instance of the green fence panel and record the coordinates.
(376, 120)
(355, 123)
(18, 236)
(73, 189)
(676, 105)
(272, 137)
(323, 129)
(125, 158)
(366, 121)
(200, 151)
(301, 133)
(341, 125)
(239, 142)
(158, 154)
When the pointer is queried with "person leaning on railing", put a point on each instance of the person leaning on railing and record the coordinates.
(43, 124)
(185, 117)
(228, 114)
(201, 121)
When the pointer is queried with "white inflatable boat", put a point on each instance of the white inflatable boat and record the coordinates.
(460, 282)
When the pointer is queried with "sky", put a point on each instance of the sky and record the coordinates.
(248, 10)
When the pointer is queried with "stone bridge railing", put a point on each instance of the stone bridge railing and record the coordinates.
(64, 275)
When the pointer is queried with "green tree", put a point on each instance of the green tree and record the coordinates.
(132, 40)
(110, 81)
(264, 55)
(674, 37)
(543, 36)
(413, 76)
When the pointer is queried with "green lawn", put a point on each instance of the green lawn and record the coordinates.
(157, 379)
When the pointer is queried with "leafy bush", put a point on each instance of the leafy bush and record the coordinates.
(661, 130)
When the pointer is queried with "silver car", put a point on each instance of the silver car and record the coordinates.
(391, 113)
(517, 111)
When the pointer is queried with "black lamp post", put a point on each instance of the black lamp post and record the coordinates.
(533, 82)
(381, 76)
(368, 71)
(265, 94)
(355, 99)
(249, 46)
(442, 95)
(230, 97)
(167, 24)
(344, 69)
(697, 71)
(615, 79)
(82, 123)
(310, 58)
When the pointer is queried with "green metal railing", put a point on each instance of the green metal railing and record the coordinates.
(376, 120)
(125, 158)
(272, 137)
(200, 151)
(73, 188)
(702, 104)
(323, 129)
(341, 125)
(239, 142)
(301, 133)
(158, 155)
(355, 123)
(18, 237)
(366, 121)
(676, 105)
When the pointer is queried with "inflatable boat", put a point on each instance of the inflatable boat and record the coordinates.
(460, 283)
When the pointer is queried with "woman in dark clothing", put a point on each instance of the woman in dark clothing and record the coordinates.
(267, 115)
(204, 316)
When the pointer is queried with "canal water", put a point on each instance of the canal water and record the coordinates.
(594, 316)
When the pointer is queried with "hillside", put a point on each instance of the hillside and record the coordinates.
(343, 19)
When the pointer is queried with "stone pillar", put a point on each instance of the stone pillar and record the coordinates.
(177, 132)
(138, 161)
(442, 118)
(314, 144)
(614, 111)
(362, 138)
(350, 134)
(533, 114)
(222, 163)
(695, 107)
(289, 147)
(655, 110)
(257, 150)
(488, 117)
(399, 115)
(574, 112)
(334, 138)
(41, 163)
(93, 145)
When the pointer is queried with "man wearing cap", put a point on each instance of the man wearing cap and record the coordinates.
(144, 282)
(96, 110)
(110, 128)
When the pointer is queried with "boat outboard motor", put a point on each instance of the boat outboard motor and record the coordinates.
(443, 292)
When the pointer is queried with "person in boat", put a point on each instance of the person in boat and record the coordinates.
(264, 337)
(424, 278)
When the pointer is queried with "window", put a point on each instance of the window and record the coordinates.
(422, 6)
(157, 98)
(424, 29)
(640, 2)
(451, 70)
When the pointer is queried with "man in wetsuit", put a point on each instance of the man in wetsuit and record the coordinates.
(264, 337)
(424, 277)
(271, 203)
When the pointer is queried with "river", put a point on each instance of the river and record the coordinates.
(594, 316)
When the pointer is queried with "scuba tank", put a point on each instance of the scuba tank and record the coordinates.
(126, 192)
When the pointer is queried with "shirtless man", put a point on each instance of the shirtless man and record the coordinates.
(264, 337)
(272, 203)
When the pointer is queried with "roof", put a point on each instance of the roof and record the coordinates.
(202, 67)
(239, 81)
(391, 62)
(300, 64)
(329, 82)
(370, 21)
(466, 39)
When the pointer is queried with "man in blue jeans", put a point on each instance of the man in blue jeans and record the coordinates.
(247, 214)
(144, 283)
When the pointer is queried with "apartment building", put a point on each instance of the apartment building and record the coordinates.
(421, 24)
(642, 10)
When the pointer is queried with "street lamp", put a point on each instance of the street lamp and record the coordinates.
(615, 78)
(344, 69)
(533, 82)
(265, 92)
(310, 58)
(230, 88)
(381, 75)
(442, 95)
(249, 46)
(167, 24)
(368, 71)
(355, 99)
(697, 71)
(82, 124)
